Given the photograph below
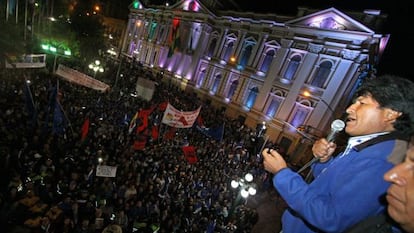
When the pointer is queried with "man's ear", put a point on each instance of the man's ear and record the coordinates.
(392, 115)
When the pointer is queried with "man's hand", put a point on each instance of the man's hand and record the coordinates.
(323, 150)
(273, 162)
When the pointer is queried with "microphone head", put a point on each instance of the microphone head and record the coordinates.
(337, 125)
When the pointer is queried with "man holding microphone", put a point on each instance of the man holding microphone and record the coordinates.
(349, 187)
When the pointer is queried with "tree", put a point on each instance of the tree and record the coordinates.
(86, 22)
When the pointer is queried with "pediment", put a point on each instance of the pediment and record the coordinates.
(136, 4)
(190, 6)
(329, 19)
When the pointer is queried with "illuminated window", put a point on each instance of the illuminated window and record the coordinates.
(201, 78)
(251, 98)
(212, 47)
(301, 112)
(247, 52)
(216, 84)
(232, 89)
(267, 61)
(273, 107)
(292, 67)
(228, 51)
(322, 74)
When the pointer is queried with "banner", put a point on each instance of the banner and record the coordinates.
(105, 171)
(145, 88)
(179, 119)
(77, 77)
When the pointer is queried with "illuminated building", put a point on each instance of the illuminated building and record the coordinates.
(258, 66)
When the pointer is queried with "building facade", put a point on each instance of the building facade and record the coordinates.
(286, 71)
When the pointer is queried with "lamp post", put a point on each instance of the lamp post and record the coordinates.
(246, 188)
(246, 185)
(96, 66)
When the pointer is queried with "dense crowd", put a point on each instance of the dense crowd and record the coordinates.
(49, 181)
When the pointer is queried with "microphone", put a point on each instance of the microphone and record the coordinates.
(336, 127)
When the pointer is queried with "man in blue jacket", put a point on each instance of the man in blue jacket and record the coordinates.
(349, 187)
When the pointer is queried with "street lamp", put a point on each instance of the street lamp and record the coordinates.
(246, 185)
(96, 66)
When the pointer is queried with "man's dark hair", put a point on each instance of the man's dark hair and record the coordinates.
(396, 93)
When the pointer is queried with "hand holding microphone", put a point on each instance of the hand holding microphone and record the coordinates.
(323, 148)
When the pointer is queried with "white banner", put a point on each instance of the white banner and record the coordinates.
(75, 76)
(105, 171)
(179, 119)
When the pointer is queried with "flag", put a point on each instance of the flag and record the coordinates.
(59, 122)
(143, 116)
(216, 133)
(154, 132)
(174, 39)
(85, 129)
(162, 106)
(179, 119)
(140, 143)
(169, 135)
(133, 123)
(190, 154)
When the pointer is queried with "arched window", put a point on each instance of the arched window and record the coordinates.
(300, 115)
(267, 61)
(292, 67)
(273, 107)
(216, 84)
(251, 98)
(201, 77)
(247, 52)
(229, 51)
(232, 89)
(211, 48)
(322, 74)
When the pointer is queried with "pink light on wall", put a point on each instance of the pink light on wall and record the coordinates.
(191, 5)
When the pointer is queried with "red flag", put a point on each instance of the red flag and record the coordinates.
(169, 135)
(85, 129)
(163, 106)
(190, 154)
(154, 132)
(139, 144)
(143, 115)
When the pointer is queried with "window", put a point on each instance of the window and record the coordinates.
(216, 84)
(201, 78)
(212, 47)
(273, 107)
(322, 74)
(228, 51)
(245, 56)
(301, 112)
(251, 98)
(292, 67)
(232, 89)
(267, 61)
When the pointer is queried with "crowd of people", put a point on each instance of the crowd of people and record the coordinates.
(48, 167)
